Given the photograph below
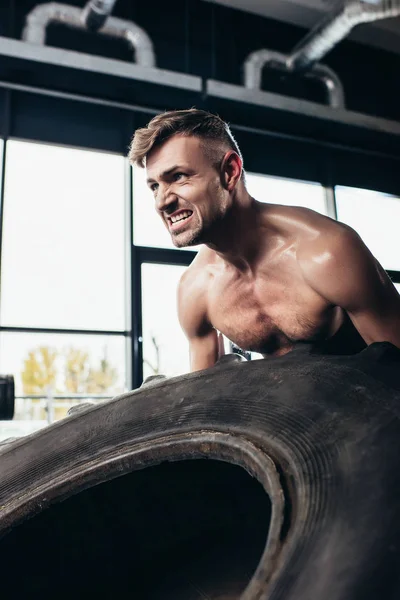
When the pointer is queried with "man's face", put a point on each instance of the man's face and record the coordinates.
(187, 189)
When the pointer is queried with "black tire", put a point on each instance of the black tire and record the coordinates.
(320, 433)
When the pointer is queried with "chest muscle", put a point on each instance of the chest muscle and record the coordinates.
(266, 314)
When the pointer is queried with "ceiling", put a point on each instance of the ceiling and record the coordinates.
(306, 13)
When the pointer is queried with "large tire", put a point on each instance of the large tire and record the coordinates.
(320, 433)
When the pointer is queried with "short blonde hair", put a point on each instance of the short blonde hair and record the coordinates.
(190, 122)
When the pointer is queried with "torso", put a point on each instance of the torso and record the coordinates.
(268, 312)
(268, 308)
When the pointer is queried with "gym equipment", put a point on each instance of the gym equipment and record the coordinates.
(274, 479)
(7, 397)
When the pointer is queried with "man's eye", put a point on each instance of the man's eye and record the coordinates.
(178, 176)
(153, 187)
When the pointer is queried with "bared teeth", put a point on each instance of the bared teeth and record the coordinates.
(183, 215)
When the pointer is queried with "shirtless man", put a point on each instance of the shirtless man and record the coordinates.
(268, 276)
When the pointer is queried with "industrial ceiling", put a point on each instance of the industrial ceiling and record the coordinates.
(307, 13)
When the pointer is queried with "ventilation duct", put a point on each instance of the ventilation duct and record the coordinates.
(256, 61)
(42, 15)
(337, 26)
(96, 12)
(316, 44)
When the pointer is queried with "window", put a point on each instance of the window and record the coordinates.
(65, 365)
(290, 192)
(376, 217)
(11, 429)
(63, 268)
(148, 228)
(63, 239)
(165, 347)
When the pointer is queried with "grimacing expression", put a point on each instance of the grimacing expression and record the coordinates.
(187, 189)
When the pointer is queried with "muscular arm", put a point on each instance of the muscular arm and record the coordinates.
(343, 271)
(192, 313)
(203, 351)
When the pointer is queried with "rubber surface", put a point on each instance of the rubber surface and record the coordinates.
(330, 424)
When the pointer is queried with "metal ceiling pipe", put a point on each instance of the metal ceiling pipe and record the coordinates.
(42, 15)
(96, 13)
(336, 26)
(136, 37)
(256, 61)
(330, 80)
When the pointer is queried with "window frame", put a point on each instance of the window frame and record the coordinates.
(125, 333)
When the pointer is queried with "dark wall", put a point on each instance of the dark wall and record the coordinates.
(212, 41)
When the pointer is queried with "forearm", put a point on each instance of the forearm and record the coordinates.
(197, 364)
(383, 326)
(204, 352)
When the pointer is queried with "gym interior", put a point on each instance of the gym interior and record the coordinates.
(88, 272)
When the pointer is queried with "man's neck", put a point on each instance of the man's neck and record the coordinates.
(242, 233)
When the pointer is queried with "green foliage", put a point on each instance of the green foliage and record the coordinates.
(76, 371)
(66, 372)
(102, 379)
(39, 371)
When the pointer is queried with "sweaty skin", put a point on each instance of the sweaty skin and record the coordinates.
(268, 276)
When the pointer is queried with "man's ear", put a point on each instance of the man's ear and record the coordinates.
(231, 170)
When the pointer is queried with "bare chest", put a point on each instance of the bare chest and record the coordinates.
(267, 314)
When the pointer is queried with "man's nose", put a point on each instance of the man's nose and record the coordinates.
(165, 198)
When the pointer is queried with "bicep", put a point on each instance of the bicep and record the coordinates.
(375, 308)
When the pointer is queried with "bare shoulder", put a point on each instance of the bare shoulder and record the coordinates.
(309, 230)
(298, 219)
(330, 243)
(312, 233)
(192, 295)
(337, 264)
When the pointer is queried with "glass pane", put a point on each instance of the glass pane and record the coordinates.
(14, 429)
(376, 217)
(165, 347)
(63, 238)
(290, 192)
(148, 229)
(61, 364)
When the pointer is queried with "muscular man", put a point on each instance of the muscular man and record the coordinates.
(268, 276)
